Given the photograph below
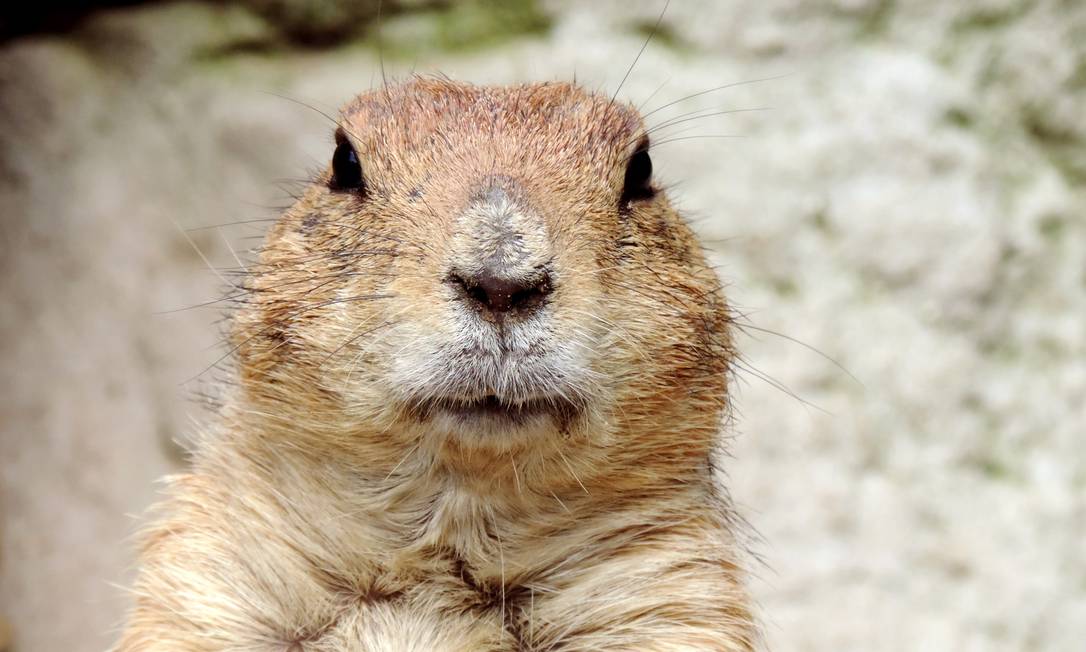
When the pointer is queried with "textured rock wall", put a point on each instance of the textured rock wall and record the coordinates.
(908, 200)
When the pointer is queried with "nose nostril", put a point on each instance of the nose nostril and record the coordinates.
(501, 294)
(525, 297)
(479, 294)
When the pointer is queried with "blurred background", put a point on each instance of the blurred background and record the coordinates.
(907, 200)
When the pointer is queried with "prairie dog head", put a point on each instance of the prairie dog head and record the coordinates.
(487, 268)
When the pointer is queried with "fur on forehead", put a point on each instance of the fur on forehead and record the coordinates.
(552, 118)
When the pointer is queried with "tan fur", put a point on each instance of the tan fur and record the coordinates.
(322, 514)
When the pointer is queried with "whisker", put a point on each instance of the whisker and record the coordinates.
(648, 39)
(745, 326)
(714, 90)
(291, 315)
(225, 224)
(741, 363)
(699, 137)
(335, 121)
(652, 95)
(690, 118)
(229, 246)
(200, 253)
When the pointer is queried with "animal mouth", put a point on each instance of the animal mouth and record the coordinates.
(492, 408)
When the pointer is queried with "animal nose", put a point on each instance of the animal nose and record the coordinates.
(499, 294)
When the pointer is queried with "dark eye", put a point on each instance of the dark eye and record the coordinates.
(638, 184)
(346, 169)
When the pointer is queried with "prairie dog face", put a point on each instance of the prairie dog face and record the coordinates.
(492, 266)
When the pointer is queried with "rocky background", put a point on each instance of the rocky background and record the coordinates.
(898, 207)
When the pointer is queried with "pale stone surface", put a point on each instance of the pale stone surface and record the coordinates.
(911, 205)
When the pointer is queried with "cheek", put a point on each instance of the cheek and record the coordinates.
(643, 314)
(578, 323)
(423, 324)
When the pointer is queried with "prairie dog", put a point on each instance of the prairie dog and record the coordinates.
(481, 366)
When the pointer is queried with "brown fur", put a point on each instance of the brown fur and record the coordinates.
(321, 513)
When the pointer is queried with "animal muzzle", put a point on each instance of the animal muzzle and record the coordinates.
(500, 263)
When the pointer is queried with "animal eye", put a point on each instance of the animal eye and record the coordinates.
(346, 168)
(638, 183)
